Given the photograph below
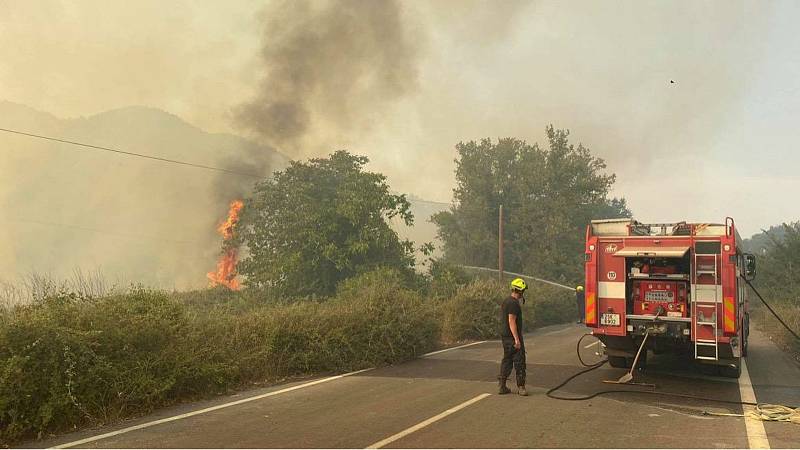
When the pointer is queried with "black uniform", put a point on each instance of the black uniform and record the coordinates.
(580, 303)
(512, 356)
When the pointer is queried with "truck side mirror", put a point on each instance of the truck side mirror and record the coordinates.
(749, 266)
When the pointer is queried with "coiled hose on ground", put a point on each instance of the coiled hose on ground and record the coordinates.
(764, 411)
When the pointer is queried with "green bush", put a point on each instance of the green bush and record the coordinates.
(70, 361)
(382, 278)
(378, 327)
(473, 312)
(551, 305)
(444, 279)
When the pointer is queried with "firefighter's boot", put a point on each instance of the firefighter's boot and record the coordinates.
(522, 391)
(502, 389)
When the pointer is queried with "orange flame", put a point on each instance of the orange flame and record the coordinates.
(226, 266)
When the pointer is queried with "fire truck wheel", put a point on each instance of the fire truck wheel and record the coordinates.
(620, 362)
(731, 372)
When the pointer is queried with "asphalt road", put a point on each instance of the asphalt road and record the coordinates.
(441, 401)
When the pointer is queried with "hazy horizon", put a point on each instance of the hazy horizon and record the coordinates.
(692, 105)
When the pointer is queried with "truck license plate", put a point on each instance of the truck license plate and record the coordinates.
(609, 319)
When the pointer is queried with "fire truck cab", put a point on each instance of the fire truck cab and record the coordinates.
(681, 283)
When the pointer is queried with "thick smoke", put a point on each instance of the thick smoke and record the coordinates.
(66, 207)
(329, 68)
(400, 82)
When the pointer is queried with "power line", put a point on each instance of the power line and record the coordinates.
(139, 155)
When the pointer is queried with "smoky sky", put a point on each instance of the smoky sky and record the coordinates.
(328, 68)
(399, 82)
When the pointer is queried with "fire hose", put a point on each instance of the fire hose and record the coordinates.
(763, 411)
(766, 412)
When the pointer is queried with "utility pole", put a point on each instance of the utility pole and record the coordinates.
(500, 244)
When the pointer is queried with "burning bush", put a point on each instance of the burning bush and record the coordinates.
(226, 266)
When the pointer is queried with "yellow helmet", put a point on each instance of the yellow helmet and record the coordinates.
(519, 284)
(579, 288)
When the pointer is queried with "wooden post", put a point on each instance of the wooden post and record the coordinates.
(500, 244)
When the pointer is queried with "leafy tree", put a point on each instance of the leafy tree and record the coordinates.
(319, 222)
(548, 197)
(779, 263)
(760, 242)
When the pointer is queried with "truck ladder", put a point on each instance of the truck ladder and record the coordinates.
(701, 303)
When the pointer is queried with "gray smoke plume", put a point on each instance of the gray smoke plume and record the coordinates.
(329, 68)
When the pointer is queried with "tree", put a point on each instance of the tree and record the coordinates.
(779, 263)
(319, 222)
(548, 197)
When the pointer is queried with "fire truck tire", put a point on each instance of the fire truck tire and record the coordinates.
(620, 362)
(731, 372)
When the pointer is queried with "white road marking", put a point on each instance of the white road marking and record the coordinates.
(237, 402)
(592, 344)
(427, 422)
(452, 348)
(205, 410)
(756, 434)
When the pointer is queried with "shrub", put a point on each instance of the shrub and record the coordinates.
(375, 327)
(551, 305)
(382, 278)
(473, 312)
(444, 279)
(69, 360)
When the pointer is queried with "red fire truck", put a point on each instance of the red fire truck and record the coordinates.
(682, 284)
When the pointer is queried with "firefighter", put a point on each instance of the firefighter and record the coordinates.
(511, 337)
(580, 303)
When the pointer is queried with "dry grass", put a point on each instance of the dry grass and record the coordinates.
(766, 322)
(35, 287)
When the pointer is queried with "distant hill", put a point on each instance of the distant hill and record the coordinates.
(63, 207)
(136, 220)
